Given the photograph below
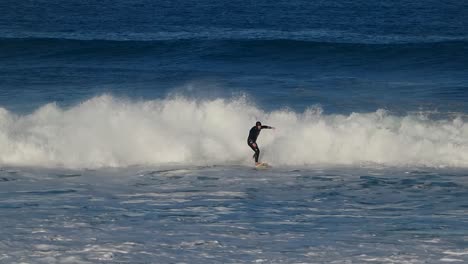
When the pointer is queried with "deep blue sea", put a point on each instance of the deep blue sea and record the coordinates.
(123, 128)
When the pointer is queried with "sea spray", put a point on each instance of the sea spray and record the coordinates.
(107, 131)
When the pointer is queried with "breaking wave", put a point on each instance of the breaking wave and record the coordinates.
(106, 131)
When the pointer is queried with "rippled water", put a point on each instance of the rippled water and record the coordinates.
(228, 214)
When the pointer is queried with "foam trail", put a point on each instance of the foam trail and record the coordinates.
(107, 131)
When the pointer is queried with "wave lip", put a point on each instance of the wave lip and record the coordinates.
(110, 132)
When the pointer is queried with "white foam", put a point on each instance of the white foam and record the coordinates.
(450, 260)
(459, 253)
(110, 132)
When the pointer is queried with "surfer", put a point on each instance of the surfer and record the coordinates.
(252, 140)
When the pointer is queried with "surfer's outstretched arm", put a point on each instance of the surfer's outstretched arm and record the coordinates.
(267, 127)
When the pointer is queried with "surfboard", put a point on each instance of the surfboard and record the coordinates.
(262, 166)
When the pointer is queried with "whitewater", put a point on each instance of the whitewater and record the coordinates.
(107, 131)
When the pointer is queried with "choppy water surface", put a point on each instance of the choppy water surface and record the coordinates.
(231, 214)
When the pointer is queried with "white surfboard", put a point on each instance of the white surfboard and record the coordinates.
(262, 166)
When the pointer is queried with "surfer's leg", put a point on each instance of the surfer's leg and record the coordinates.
(257, 151)
(257, 154)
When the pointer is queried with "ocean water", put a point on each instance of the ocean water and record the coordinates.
(123, 129)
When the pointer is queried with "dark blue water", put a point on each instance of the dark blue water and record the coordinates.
(344, 55)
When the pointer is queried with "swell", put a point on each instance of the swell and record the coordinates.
(449, 53)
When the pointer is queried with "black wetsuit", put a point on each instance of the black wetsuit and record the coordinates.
(253, 135)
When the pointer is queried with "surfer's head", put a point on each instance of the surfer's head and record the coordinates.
(258, 124)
